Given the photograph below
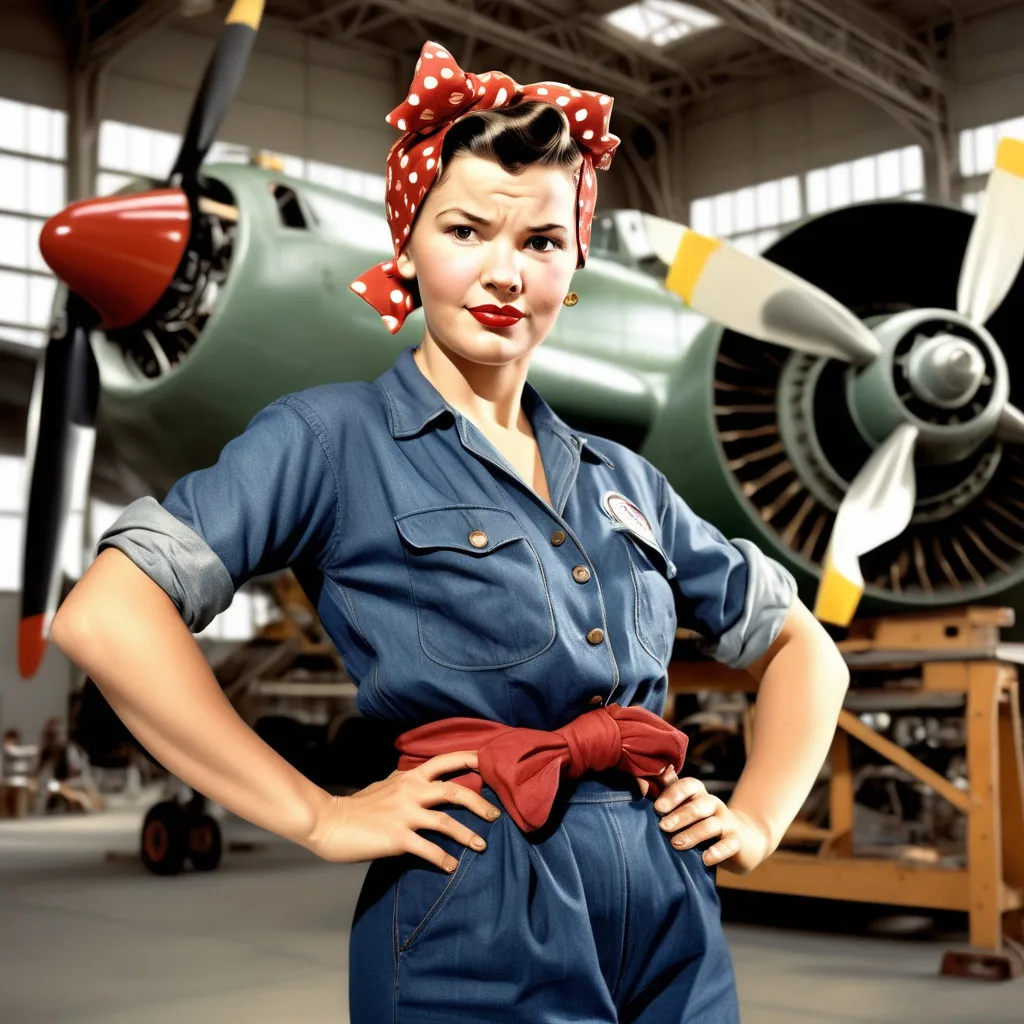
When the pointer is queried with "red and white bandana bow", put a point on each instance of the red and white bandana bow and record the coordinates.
(441, 93)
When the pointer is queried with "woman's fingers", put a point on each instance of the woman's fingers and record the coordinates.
(431, 852)
(439, 821)
(728, 847)
(694, 809)
(453, 793)
(442, 764)
(677, 792)
(705, 829)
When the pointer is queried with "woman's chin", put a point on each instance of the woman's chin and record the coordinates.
(492, 345)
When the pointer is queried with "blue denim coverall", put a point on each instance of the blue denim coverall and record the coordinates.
(370, 492)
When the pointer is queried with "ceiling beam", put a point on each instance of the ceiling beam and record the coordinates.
(868, 53)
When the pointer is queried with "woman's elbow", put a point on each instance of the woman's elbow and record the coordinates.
(98, 598)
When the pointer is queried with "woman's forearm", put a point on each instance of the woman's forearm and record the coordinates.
(798, 704)
(125, 633)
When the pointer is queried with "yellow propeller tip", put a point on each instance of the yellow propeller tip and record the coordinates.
(694, 252)
(837, 598)
(246, 12)
(1010, 157)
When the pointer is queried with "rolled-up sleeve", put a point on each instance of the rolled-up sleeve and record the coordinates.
(730, 592)
(270, 499)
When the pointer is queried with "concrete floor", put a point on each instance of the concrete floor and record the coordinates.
(92, 940)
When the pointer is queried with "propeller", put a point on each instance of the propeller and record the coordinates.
(877, 507)
(118, 256)
(753, 296)
(749, 295)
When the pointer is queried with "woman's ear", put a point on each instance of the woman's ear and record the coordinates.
(405, 265)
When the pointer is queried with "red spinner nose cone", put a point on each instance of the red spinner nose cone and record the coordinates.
(119, 252)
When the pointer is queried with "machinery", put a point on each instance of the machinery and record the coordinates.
(908, 453)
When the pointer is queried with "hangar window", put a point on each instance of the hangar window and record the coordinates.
(661, 21)
(32, 188)
(898, 173)
(127, 151)
(750, 217)
(978, 149)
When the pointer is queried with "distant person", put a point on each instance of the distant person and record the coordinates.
(17, 781)
(63, 773)
(504, 586)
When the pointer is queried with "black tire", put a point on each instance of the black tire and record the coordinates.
(164, 838)
(204, 842)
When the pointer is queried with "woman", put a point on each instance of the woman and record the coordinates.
(504, 588)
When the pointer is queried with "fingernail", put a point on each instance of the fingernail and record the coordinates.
(681, 843)
(493, 813)
(477, 843)
(451, 865)
(661, 805)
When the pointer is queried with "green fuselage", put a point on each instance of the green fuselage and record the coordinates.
(286, 320)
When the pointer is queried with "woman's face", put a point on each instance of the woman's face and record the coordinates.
(487, 238)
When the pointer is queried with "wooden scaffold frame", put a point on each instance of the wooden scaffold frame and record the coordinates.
(956, 652)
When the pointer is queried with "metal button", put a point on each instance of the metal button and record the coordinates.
(596, 699)
(581, 574)
(558, 537)
(595, 636)
(478, 539)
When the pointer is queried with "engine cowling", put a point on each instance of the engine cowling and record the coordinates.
(764, 441)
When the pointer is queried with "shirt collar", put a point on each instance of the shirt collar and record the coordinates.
(414, 404)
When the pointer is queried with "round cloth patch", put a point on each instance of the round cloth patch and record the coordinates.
(623, 511)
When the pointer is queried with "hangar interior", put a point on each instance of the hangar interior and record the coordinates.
(739, 118)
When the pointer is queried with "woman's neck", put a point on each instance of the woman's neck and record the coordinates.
(489, 396)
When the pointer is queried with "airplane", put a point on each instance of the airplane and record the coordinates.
(834, 437)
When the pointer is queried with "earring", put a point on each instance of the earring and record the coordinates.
(571, 299)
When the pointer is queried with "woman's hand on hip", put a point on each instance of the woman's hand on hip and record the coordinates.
(382, 820)
(694, 815)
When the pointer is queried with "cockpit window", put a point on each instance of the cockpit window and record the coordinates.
(604, 238)
(288, 207)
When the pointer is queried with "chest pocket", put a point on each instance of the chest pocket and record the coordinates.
(478, 587)
(655, 615)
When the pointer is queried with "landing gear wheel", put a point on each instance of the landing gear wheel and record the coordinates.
(204, 842)
(165, 838)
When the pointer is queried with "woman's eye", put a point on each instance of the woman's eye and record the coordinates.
(544, 242)
(458, 230)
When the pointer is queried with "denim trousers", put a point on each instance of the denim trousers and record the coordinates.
(593, 919)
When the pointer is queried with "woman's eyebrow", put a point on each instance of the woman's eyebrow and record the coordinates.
(483, 222)
(464, 213)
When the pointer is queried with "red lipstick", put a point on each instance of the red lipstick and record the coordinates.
(497, 316)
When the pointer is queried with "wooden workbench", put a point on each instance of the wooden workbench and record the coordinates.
(948, 652)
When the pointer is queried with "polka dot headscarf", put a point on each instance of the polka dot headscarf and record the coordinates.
(441, 93)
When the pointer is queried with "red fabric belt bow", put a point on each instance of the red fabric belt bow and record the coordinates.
(524, 766)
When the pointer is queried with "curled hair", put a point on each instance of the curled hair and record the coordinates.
(515, 137)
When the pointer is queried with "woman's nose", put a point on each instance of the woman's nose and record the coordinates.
(502, 270)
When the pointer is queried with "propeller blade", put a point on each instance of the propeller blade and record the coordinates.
(61, 452)
(1010, 426)
(223, 75)
(995, 249)
(750, 295)
(877, 507)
